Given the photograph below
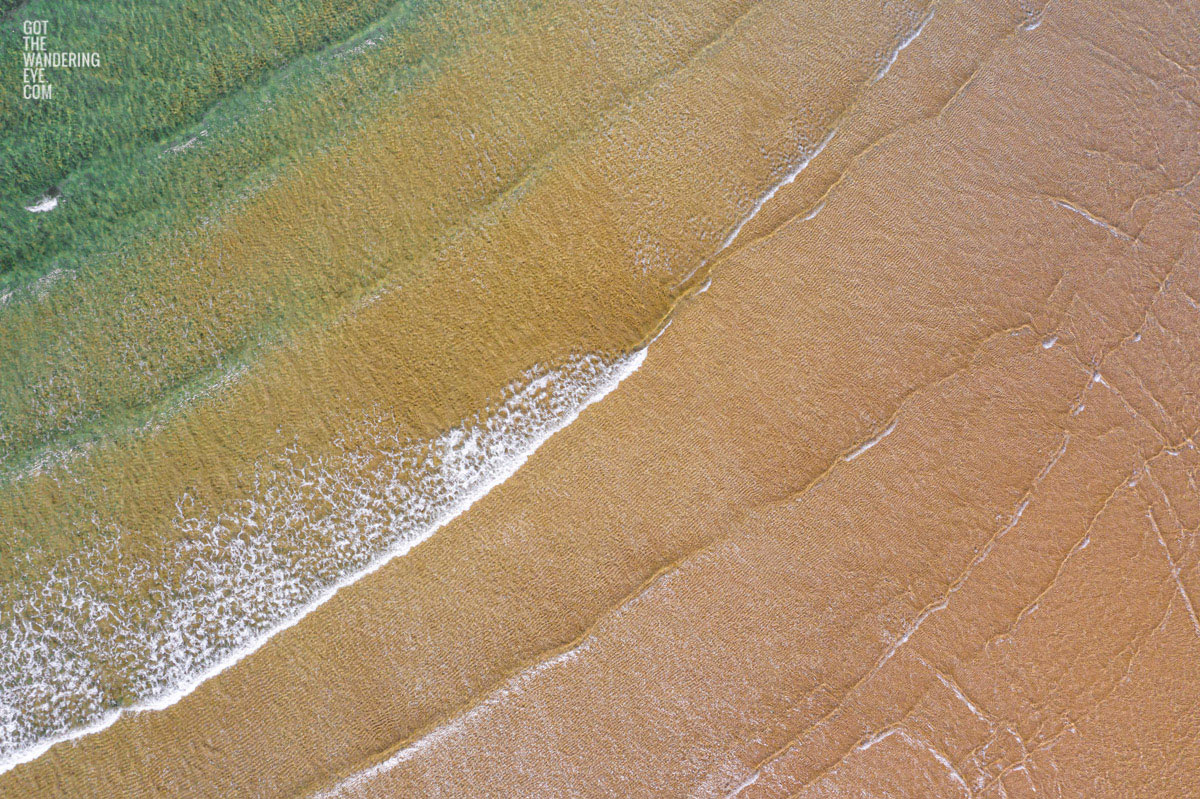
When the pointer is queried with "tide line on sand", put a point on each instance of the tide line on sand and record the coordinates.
(788, 178)
(622, 369)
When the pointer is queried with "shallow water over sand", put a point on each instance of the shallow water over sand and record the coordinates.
(106, 627)
(937, 382)
(237, 415)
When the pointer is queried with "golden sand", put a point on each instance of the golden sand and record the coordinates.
(903, 505)
(589, 237)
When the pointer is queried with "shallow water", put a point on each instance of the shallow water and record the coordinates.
(208, 432)
(105, 627)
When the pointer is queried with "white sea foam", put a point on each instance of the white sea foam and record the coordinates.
(806, 157)
(904, 41)
(47, 203)
(788, 178)
(107, 624)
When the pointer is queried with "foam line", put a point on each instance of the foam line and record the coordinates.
(494, 474)
(788, 178)
(47, 203)
(908, 39)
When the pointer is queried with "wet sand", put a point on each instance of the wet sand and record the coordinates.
(294, 459)
(903, 504)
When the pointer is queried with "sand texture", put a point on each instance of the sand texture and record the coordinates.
(902, 501)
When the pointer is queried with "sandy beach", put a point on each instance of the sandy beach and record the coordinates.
(900, 499)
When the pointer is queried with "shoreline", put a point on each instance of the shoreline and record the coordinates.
(906, 506)
(499, 473)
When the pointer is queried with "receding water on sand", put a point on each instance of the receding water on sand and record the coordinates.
(76, 650)
(467, 239)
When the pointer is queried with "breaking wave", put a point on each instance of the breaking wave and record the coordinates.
(106, 631)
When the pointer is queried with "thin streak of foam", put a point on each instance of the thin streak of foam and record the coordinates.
(916, 742)
(500, 472)
(790, 177)
(512, 686)
(808, 157)
(743, 785)
(1034, 20)
(661, 330)
(887, 431)
(1100, 223)
(766, 198)
(904, 42)
(876, 738)
(957, 585)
